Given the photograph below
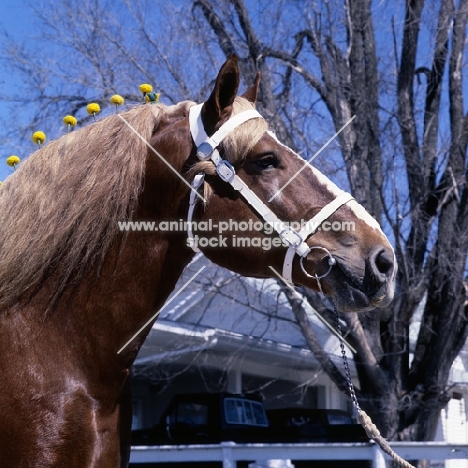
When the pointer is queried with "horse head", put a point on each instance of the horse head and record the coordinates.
(341, 249)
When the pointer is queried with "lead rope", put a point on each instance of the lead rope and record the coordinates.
(366, 422)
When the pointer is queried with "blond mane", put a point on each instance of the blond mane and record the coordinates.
(63, 204)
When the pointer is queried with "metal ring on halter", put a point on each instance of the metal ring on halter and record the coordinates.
(331, 262)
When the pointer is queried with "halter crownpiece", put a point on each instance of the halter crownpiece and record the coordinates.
(207, 150)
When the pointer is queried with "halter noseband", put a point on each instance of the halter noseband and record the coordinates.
(207, 149)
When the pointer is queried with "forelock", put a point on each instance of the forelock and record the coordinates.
(242, 139)
(238, 143)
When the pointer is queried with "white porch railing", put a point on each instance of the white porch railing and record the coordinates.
(229, 452)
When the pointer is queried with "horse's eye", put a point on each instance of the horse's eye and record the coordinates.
(268, 161)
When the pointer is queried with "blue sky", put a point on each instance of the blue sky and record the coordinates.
(15, 19)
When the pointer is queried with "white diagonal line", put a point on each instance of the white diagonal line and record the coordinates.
(288, 285)
(159, 311)
(308, 161)
(162, 158)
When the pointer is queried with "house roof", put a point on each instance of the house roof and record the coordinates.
(226, 313)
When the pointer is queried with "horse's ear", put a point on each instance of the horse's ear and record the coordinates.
(252, 93)
(219, 104)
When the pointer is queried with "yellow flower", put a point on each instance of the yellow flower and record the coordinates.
(146, 88)
(69, 120)
(93, 108)
(117, 100)
(1, 183)
(13, 161)
(38, 138)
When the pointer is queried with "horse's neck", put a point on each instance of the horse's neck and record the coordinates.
(107, 308)
(138, 276)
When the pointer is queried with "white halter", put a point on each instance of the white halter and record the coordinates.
(207, 150)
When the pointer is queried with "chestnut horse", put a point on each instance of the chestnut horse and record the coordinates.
(75, 288)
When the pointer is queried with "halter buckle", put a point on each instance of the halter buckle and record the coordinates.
(291, 236)
(225, 170)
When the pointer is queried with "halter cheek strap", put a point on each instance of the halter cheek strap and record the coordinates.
(196, 184)
(207, 150)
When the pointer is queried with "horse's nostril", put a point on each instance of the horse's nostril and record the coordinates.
(382, 263)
